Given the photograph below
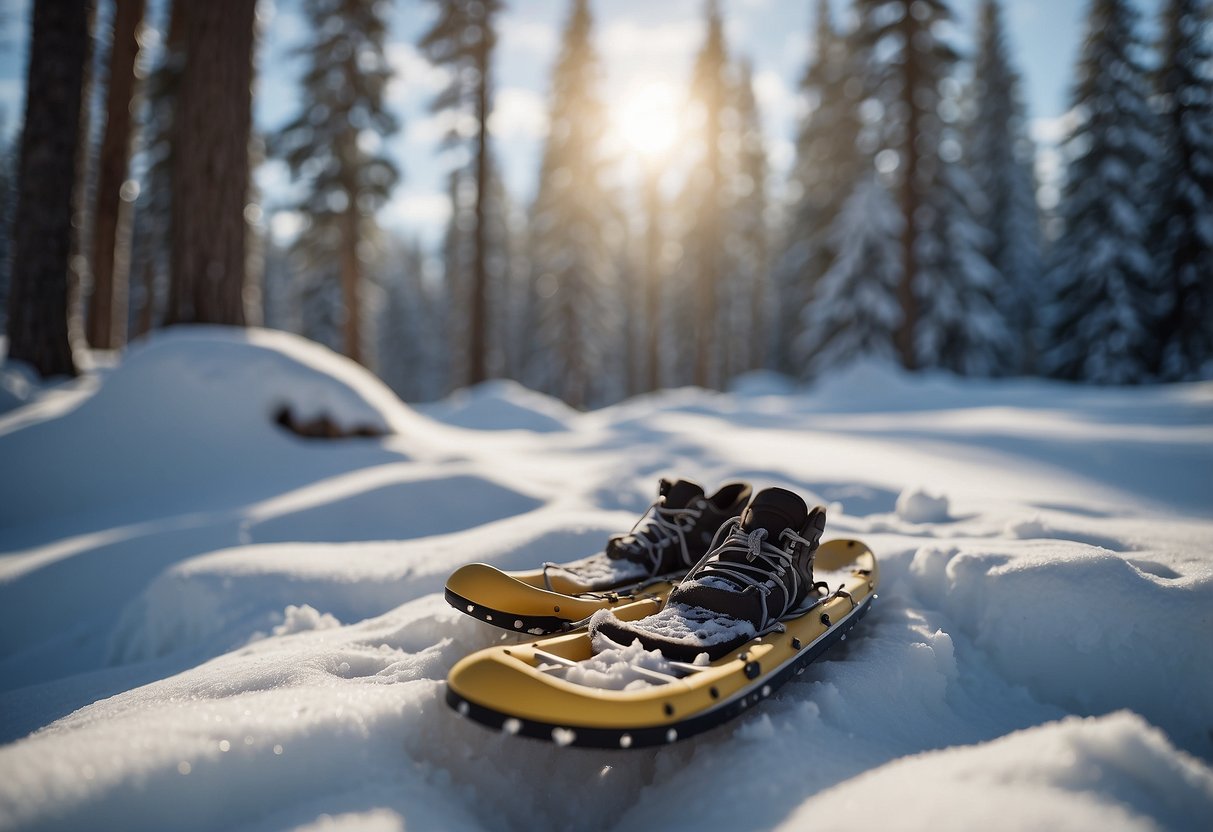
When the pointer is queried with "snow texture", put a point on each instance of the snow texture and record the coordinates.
(207, 622)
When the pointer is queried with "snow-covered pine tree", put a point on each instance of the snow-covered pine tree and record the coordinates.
(411, 340)
(830, 160)
(854, 312)
(574, 231)
(334, 145)
(705, 198)
(743, 316)
(999, 156)
(462, 39)
(961, 327)
(945, 279)
(1101, 323)
(1181, 238)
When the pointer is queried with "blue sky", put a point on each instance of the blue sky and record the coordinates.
(640, 40)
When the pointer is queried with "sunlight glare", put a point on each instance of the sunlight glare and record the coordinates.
(647, 119)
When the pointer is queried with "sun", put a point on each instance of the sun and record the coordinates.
(647, 119)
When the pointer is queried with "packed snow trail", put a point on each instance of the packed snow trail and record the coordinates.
(211, 623)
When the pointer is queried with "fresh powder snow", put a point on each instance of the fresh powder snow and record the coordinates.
(207, 621)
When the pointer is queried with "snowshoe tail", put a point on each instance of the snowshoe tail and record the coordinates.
(521, 689)
(522, 602)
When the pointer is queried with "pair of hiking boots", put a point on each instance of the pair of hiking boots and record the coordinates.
(742, 561)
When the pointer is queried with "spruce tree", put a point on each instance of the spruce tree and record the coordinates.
(830, 165)
(571, 225)
(743, 318)
(944, 280)
(1181, 236)
(1101, 323)
(462, 39)
(335, 145)
(854, 312)
(1000, 158)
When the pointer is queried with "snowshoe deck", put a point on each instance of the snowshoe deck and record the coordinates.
(522, 601)
(521, 689)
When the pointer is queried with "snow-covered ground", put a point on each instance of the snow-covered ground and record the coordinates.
(208, 622)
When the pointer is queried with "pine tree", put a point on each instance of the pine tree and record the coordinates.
(503, 340)
(854, 312)
(213, 121)
(107, 309)
(743, 323)
(463, 39)
(334, 145)
(706, 199)
(571, 226)
(46, 245)
(1000, 157)
(410, 333)
(828, 169)
(1101, 323)
(1182, 233)
(944, 279)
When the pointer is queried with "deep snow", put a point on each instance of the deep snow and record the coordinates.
(208, 622)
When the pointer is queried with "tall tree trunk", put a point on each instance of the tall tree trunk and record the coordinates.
(45, 238)
(351, 275)
(210, 165)
(652, 278)
(477, 369)
(910, 201)
(112, 214)
(709, 278)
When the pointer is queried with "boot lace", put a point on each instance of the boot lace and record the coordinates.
(764, 567)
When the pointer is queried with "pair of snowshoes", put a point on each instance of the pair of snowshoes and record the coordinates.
(698, 613)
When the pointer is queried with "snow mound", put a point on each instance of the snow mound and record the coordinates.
(762, 383)
(187, 408)
(303, 618)
(502, 405)
(914, 505)
(1081, 627)
(1114, 772)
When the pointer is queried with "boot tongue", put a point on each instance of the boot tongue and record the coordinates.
(680, 493)
(775, 509)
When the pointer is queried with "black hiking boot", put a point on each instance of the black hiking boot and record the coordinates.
(759, 572)
(671, 536)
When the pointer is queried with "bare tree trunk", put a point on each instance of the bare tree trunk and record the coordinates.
(112, 214)
(351, 275)
(904, 337)
(210, 165)
(709, 277)
(45, 276)
(478, 347)
(652, 278)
